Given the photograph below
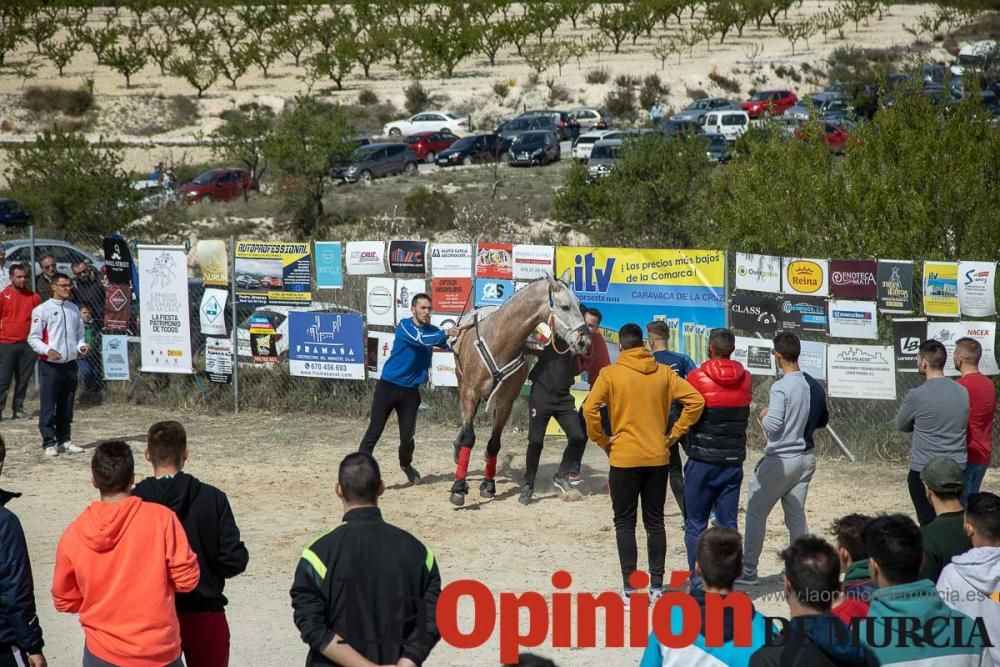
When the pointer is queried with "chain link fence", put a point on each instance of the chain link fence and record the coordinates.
(865, 427)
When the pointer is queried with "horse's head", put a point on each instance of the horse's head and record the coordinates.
(567, 319)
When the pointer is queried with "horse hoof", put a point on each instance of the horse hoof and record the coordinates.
(458, 492)
(457, 499)
(488, 488)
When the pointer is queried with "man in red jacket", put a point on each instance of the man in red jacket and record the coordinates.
(17, 359)
(717, 445)
(982, 408)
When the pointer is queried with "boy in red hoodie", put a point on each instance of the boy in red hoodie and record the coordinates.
(118, 566)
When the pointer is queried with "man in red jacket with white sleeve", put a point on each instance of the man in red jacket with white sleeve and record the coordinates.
(17, 359)
(717, 445)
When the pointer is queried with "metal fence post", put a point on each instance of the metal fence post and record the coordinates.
(236, 338)
(31, 268)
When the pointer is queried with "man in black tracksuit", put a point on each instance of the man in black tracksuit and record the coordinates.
(211, 529)
(551, 379)
(20, 634)
(366, 589)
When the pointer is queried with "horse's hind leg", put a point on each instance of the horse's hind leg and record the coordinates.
(463, 449)
(503, 405)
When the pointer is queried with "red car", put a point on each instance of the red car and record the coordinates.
(223, 184)
(426, 145)
(834, 137)
(773, 102)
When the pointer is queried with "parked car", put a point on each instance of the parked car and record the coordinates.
(568, 127)
(680, 128)
(816, 104)
(12, 215)
(591, 118)
(531, 148)
(426, 145)
(474, 149)
(584, 143)
(730, 124)
(974, 56)
(154, 195)
(834, 137)
(604, 157)
(718, 150)
(18, 251)
(697, 109)
(277, 316)
(427, 121)
(772, 102)
(375, 161)
(223, 184)
(510, 129)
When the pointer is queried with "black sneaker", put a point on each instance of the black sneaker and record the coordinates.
(411, 474)
(561, 483)
(527, 491)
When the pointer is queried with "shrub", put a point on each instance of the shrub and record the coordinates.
(367, 97)
(49, 99)
(695, 93)
(598, 75)
(620, 103)
(501, 89)
(417, 98)
(623, 80)
(724, 82)
(788, 73)
(651, 91)
(557, 92)
(429, 209)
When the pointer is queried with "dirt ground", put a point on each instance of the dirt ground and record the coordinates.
(279, 472)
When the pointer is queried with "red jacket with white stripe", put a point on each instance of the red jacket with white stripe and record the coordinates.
(15, 314)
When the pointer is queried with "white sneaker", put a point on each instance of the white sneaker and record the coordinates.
(626, 598)
(70, 448)
(52, 451)
(654, 595)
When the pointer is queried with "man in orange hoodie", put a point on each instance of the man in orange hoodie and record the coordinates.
(118, 566)
(638, 393)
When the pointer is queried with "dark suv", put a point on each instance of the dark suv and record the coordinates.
(531, 148)
(376, 160)
(12, 215)
(472, 149)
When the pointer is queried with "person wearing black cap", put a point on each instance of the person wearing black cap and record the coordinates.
(944, 537)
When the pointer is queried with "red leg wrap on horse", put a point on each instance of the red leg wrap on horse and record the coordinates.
(491, 467)
(463, 462)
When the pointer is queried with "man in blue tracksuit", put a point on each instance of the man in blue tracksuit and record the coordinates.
(399, 387)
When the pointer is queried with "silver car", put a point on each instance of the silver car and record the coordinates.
(605, 156)
(696, 110)
(18, 251)
(583, 144)
(821, 103)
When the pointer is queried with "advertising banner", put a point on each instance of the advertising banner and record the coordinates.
(329, 267)
(861, 371)
(754, 313)
(273, 273)
(948, 334)
(755, 355)
(908, 334)
(632, 285)
(380, 303)
(854, 279)
(976, 289)
(758, 273)
(365, 258)
(117, 261)
(533, 261)
(408, 256)
(263, 340)
(377, 351)
(219, 360)
(812, 359)
(805, 276)
(326, 345)
(443, 370)
(444, 321)
(212, 314)
(895, 286)
(114, 356)
(492, 292)
(451, 260)
(853, 319)
(941, 289)
(451, 295)
(985, 333)
(214, 262)
(165, 333)
(405, 291)
(117, 307)
(495, 260)
(803, 314)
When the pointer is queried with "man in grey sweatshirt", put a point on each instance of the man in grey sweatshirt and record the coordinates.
(797, 407)
(937, 413)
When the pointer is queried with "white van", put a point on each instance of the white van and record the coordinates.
(729, 123)
(973, 56)
(585, 143)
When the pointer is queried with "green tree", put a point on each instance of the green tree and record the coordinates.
(335, 64)
(442, 50)
(614, 24)
(68, 184)
(13, 27)
(61, 51)
(130, 57)
(199, 69)
(243, 137)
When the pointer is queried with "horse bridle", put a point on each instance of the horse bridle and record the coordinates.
(553, 318)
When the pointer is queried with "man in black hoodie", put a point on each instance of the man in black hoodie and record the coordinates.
(211, 529)
(20, 634)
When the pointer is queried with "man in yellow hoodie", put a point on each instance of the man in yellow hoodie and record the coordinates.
(638, 392)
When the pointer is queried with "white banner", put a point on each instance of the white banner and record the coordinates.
(405, 291)
(975, 288)
(852, 319)
(805, 276)
(212, 313)
(444, 321)
(381, 302)
(861, 371)
(533, 261)
(165, 332)
(755, 355)
(451, 260)
(365, 258)
(812, 359)
(948, 333)
(443, 370)
(758, 273)
(114, 356)
(379, 346)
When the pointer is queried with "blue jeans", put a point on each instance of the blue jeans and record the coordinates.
(974, 474)
(708, 486)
